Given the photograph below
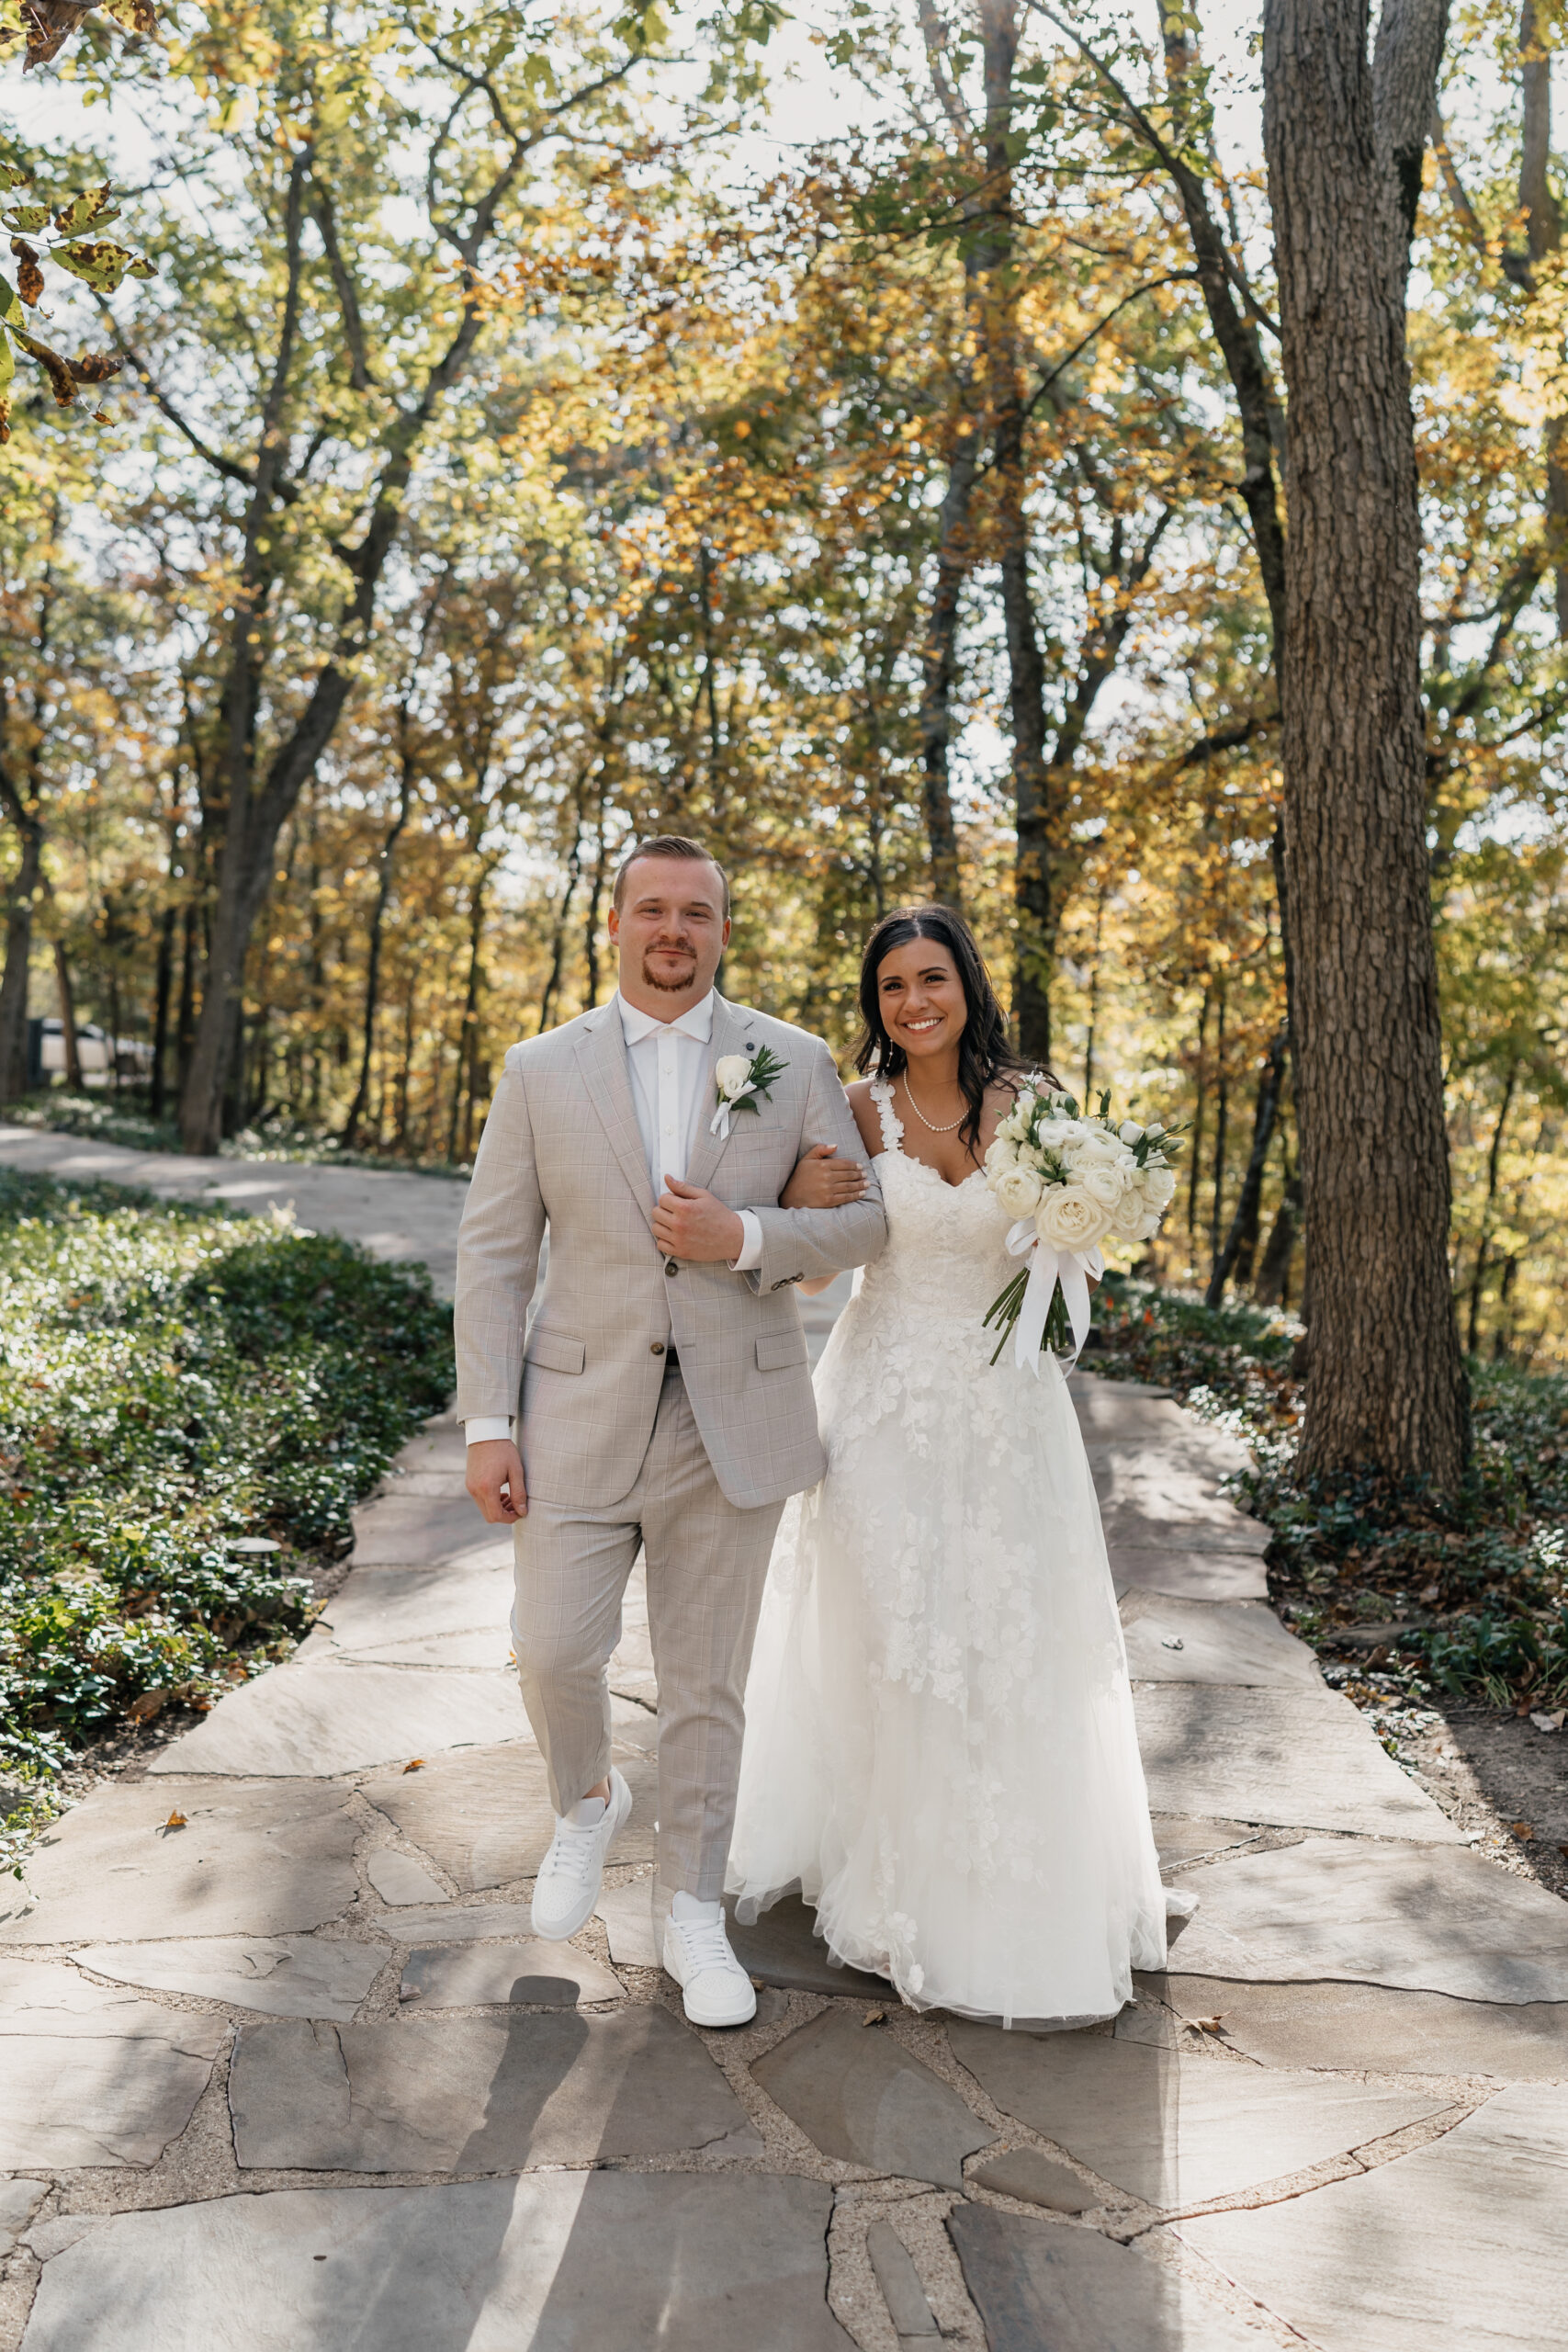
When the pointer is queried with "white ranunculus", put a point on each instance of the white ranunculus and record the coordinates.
(1062, 1133)
(1127, 1220)
(1105, 1183)
(1097, 1148)
(730, 1073)
(1019, 1190)
(1158, 1186)
(1148, 1226)
(1068, 1217)
(1129, 1131)
(1001, 1156)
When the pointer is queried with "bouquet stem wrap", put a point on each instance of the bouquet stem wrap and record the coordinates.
(1050, 1271)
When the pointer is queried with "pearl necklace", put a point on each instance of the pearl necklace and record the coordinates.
(922, 1118)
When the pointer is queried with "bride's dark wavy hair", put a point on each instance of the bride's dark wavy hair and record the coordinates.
(985, 1052)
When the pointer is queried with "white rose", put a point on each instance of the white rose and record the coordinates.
(1018, 1191)
(1127, 1221)
(1148, 1226)
(1001, 1156)
(1060, 1133)
(1158, 1186)
(731, 1073)
(1105, 1183)
(1129, 1131)
(1097, 1150)
(1070, 1218)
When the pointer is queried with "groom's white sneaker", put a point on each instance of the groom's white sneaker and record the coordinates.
(715, 1989)
(568, 1885)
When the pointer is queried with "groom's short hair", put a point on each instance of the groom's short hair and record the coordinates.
(666, 845)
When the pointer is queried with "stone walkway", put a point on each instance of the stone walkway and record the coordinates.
(282, 2070)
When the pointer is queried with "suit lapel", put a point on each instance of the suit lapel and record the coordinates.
(600, 1048)
(733, 1033)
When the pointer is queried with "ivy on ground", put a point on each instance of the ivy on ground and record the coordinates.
(1475, 1585)
(176, 1386)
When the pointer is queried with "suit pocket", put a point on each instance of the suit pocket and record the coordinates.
(556, 1352)
(777, 1351)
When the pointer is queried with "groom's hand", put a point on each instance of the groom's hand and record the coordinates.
(495, 1480)
(694, 1225)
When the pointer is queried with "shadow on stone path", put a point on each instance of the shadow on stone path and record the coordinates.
(295, 2078)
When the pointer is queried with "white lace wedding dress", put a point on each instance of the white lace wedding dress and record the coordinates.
(939, 1749)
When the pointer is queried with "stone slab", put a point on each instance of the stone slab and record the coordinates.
(1429, 1919)
(1036, 2179)
(485, 1815)
(374, 1607)
(856, 2092)
(900, 2284)
(488, 1649)
(1462, 2245)
(784, 1947)
(440, 1448)
(257, 1857)
(627, 1914)
(89, 2074)
(1176, 2130)
(530, 1973)
(17, 2200)
(1375, 2028)
(1182, 1514)
(406, 1530)
(280, 1976)
(1044, 2287)
(1186, 1574)
(402, 1878)
(1294, 1759)
(322, 1716)
(453, 1923)
(1231, 1642)
(1178, 1840)
(479, 2094)
(392, 1212)
(701, 2264)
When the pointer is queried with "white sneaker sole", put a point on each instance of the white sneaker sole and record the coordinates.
(732, 2002)
(560, 1931)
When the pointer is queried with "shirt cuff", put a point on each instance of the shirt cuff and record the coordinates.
(750, 1256)
(485, 1426)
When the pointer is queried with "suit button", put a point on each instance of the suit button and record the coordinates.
(671, 1267)
(656, 1348)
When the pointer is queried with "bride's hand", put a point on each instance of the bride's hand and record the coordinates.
(823, 1180)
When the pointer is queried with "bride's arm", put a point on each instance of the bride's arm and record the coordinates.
(822, 1181)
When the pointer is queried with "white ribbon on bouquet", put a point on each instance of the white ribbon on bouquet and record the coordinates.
(1047, 1267)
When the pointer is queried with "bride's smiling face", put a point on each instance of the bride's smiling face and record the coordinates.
(922, 999)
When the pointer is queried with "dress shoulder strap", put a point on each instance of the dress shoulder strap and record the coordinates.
(892, 1124)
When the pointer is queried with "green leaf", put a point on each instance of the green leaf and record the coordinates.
(83, 212)
(8, 361)
(97, 260)
(10, 308)
(26, 217)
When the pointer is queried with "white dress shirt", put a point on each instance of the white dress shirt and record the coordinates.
(669, 1062)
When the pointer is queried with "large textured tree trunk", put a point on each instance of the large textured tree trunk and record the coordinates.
(1386, 1382)
(20, 900)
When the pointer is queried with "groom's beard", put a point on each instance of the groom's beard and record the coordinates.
(651, 980)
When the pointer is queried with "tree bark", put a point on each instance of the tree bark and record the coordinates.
(1482, 1248)
(68, 1018)
(1242, 1239)
(1544, 226)
(1387, 1383)
(20, 898)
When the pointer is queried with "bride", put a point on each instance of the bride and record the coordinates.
(940, 1749)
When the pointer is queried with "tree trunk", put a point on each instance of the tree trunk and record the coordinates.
(19, 901)
(1195, 1165)
(1242, 1240)
(1221, 1124)
(1482, 1248)
(1543, 225)
(165, 986)
(1274, 1274)
(373, 950)
(68, 1018)
(1387, 1381)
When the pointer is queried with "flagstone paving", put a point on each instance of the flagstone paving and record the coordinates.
(298, 1947)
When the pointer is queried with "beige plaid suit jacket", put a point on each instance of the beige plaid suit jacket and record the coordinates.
(561, 1147)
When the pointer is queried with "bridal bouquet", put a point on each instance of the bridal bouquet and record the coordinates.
(1071, 1181)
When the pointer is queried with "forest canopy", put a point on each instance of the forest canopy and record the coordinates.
(515, 444)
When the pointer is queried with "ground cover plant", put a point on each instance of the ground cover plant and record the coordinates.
(1469, 1592)
(190, 1404)
(120, 1116)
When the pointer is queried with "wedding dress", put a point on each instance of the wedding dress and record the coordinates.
(939, 1749)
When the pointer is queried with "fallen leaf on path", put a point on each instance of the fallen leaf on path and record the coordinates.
(1522, 1828)
(175, 1821)
(1211, 2025)
(1553, 1722)
(415, 1764)
(141, 1710)
(874, 2016)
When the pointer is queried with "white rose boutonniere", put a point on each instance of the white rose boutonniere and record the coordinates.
(739, 1081)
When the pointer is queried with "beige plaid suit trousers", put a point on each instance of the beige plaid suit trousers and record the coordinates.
(695, 1466)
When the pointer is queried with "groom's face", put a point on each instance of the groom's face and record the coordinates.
(670, 931)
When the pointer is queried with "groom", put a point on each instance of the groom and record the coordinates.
(666, 1396)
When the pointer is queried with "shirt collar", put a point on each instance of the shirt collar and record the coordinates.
(697, 1023)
